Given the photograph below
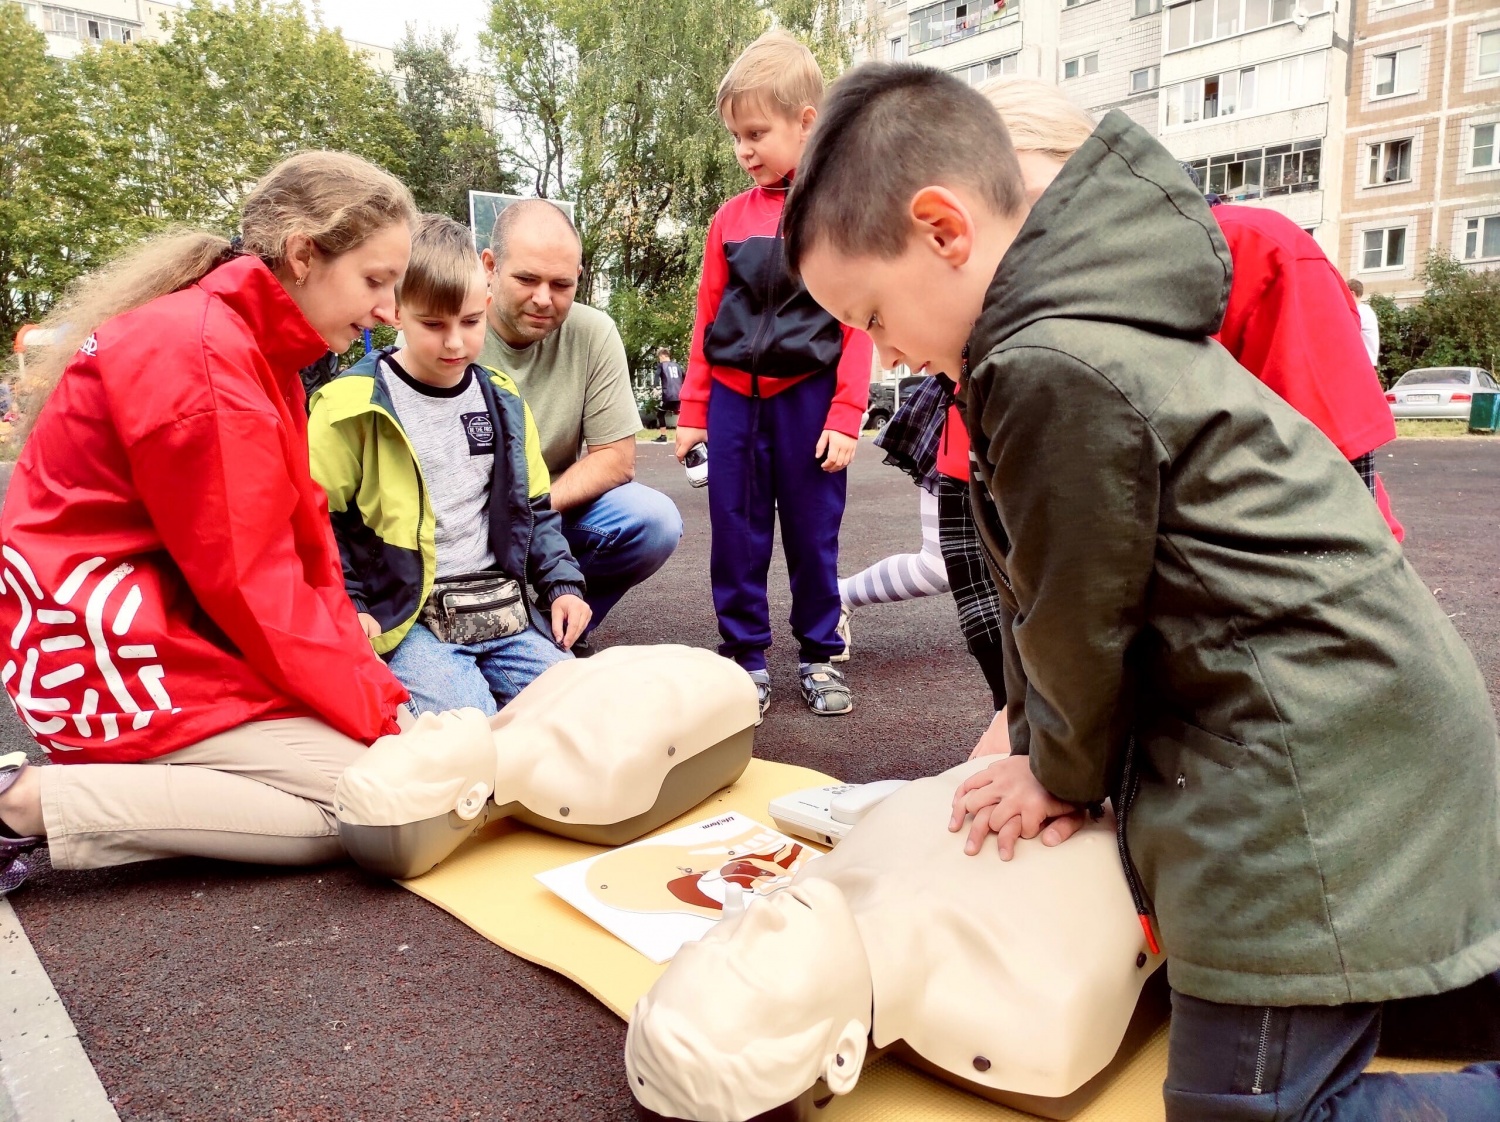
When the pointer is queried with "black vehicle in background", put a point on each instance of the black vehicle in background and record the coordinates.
(886, 398)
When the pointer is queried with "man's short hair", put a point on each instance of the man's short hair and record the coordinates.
(520, 211)
(442, 268)
(777, 71)
(886, 131)
(1357, 287)
(663, 352)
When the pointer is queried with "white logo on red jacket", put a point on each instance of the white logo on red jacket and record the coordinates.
(48, 701)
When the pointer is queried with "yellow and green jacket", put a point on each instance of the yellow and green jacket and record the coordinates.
(382, 513)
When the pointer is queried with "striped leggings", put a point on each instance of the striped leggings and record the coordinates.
(904, 576)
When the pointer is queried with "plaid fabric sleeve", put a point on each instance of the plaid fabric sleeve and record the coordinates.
(910, 438)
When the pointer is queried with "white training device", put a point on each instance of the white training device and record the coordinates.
(826, 814)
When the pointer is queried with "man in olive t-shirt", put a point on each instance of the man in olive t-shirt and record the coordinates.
(570, 365)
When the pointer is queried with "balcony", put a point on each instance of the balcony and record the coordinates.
(939, 25)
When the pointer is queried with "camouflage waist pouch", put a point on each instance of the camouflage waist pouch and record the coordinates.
(475, 607)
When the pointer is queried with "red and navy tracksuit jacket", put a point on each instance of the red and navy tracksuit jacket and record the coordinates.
(770, 371)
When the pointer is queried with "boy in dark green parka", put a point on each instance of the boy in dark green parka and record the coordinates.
(1209, 622)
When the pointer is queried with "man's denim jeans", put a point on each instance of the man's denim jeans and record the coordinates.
(619, 540)
(442, 676)
(1241, 1063)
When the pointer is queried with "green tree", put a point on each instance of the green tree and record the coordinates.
(447, 110)
(183, 127)
(45, 235)
(620, 99)
(1456, 322)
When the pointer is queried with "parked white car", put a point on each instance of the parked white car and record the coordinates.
(1438, 391)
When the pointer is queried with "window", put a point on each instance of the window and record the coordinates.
(1199, 21)
(1077, 67)
(978, 73)
(1482, 238)
(1147, 7)
(1396, 73)
(898, 48)
(1143, 80)
(1489, 53)
(1482, 154)
(1284, 84)
(1390, 162)
(1385, 249)
(952, 20)
(1281, 169)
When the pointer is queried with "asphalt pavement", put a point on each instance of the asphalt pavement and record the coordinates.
(205, 990)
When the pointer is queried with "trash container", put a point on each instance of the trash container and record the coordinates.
(1484, 413)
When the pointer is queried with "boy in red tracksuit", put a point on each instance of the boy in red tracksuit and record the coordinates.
(775, 386)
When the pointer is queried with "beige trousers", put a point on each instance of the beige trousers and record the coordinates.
(261, 793)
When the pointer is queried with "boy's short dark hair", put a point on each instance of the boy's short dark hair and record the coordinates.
(442, 268)
(887, 130)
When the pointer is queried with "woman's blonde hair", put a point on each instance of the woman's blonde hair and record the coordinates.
(334, 198)
(778, 71)
(1039, 117)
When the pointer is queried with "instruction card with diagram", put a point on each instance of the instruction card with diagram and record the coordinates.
(668, 890)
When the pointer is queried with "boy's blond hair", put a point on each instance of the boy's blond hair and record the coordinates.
(776, 71)
(442, 269)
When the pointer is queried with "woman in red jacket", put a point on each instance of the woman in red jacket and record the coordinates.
(170, 592)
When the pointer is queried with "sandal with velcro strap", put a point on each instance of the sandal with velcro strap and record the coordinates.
(825, 691)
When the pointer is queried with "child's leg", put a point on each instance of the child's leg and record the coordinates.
(810, 505)
(511, 664)
(1238, 1062)
(902, 576)
(439, 676)
(1461, 1024)
(980, 612)
(741, 512)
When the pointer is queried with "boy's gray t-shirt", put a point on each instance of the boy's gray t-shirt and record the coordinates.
(576, 382)
(454, 438)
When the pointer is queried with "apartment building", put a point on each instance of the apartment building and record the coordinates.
(1253, 96)
(71, 27)
(1422, 165)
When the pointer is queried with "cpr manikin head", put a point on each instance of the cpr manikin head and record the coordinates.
(443, 763)
(755, 1012)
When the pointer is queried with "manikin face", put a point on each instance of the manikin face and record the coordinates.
(919, 306)
(534, 286)
(750, 1016)
(439, 347)
(344, 295)
(767, 143)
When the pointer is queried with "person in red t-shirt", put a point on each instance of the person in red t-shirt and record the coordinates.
(170, 591)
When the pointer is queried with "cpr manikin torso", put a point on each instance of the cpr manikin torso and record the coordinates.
(602, 749)
(1018, 977)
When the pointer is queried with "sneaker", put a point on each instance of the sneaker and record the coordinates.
(825, 691)
(13, 870)
(845, 615)
(662, 439)
(762, 680)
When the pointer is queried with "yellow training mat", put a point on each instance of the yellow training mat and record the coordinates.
(489, 884)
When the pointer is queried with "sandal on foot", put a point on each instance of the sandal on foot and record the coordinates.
(762, 682)
(825, 691)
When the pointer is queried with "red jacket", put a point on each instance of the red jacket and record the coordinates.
(757, 331)
(168, 568)
(1291, 322)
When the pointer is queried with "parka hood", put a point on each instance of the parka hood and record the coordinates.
(1122, 236)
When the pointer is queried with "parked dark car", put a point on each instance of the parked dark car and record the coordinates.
(881, 405)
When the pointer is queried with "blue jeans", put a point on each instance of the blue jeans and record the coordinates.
(619, 540)
(1241, 1063)
(484, 676)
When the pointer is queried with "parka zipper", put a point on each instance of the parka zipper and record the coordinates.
(1262, 1054)
(1128, 781)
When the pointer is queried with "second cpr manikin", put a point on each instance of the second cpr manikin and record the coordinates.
(603, 750)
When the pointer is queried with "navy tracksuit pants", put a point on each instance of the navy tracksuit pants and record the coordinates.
(761, 464)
